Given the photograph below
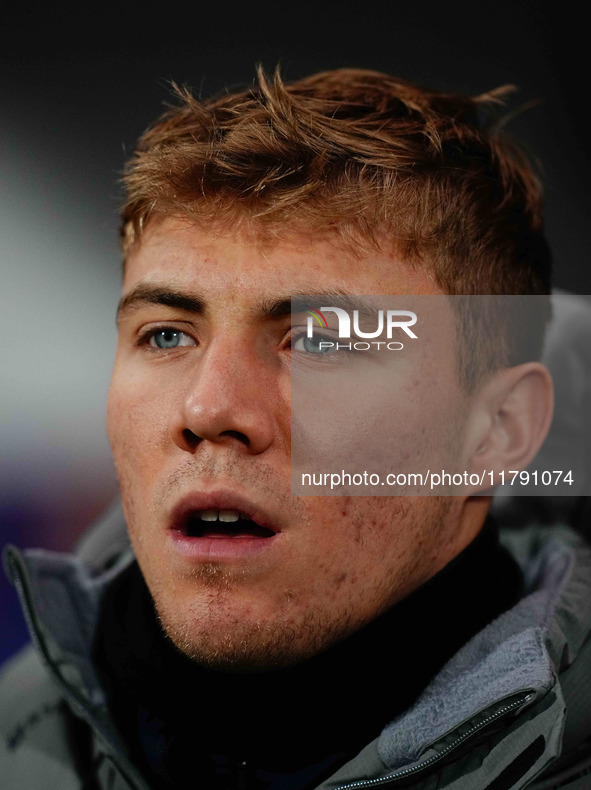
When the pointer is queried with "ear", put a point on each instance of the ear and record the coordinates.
(509, 422)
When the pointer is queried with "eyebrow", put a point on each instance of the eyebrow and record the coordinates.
(144, 294)
(317, 299)
(148, 293)
(349, 302)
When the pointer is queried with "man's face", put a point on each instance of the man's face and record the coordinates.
(199, 423)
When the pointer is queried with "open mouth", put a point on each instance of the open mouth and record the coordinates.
(214, 523)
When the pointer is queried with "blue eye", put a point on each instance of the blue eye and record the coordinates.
(168, 337)
(320, 344)
(317, 344)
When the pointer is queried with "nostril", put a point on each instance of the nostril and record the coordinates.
(191, 438)
(242, 437)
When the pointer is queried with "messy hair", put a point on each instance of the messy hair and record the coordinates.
(358, 154)
(365, 158)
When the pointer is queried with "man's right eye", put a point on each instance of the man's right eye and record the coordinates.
(165, 338)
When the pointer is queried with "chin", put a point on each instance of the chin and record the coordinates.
(223, 633)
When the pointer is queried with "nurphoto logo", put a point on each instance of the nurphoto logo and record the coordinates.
(393, 319)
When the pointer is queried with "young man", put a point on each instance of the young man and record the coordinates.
(256, 639)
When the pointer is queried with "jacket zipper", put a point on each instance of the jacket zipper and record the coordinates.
(393, 777)
(76, 701)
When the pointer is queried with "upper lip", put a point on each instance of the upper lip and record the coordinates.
(220, 500)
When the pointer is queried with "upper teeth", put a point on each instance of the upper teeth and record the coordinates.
(220, 515)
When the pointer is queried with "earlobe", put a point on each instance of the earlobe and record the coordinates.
(510, 420)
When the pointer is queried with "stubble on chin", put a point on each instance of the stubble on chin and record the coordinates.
(215, 633)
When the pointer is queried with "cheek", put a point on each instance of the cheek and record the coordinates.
(138, 433)
(378, 547)
(363, 556)
(138, 413)
(363, 534)
(381, 424)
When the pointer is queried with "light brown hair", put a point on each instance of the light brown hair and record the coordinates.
(359, 154)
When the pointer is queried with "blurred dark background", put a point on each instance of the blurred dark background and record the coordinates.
(78, 85)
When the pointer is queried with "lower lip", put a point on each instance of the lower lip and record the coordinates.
(217, 549)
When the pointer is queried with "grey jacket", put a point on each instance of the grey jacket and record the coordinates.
(511, 709)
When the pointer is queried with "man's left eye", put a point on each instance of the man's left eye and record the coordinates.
(169, 338)
(318, 344)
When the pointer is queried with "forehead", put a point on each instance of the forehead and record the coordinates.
(240, 266)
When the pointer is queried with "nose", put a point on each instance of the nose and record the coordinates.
(228, 399)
